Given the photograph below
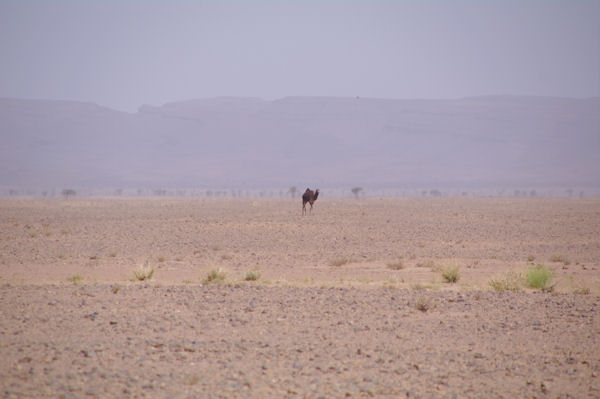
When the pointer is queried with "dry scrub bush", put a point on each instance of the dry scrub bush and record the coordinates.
(451, 274)
(510, 282)
(76, 279)
(560, 259)
(581, 291)
(215, 276)
(396, 265)
(339, 262)
(423, 304)
(426, 263)
(143, 273)
(252, 276)
(424, 287)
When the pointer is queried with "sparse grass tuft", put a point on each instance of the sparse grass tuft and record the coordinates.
(451, 274)
(115, 288)
(396, 265)
(530, 259)
(310, 280)
(215, 276)
(339, 262)
(161, 259)
(423, 304)
(510, 282)
(76, 279)
(538, 277)
(581, 291)
(556, 258)
(426, 263)
(391, 283)
(252, 276)
(143, 273)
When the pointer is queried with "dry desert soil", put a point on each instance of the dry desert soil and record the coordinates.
(249, 299)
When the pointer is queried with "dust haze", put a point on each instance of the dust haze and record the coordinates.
(229, 143)
(400, 96)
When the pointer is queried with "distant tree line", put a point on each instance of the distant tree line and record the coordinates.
(68, 193)
(293, 192)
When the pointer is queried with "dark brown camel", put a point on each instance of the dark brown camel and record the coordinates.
(309, 196)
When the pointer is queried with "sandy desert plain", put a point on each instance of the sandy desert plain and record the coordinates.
(249, 299)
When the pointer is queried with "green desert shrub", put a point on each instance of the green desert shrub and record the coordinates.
(538, 277)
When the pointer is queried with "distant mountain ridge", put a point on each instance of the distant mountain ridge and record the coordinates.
(232, 142)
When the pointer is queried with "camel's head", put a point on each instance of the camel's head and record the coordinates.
(316, 193)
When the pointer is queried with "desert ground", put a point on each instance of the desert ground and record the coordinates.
(248, 298)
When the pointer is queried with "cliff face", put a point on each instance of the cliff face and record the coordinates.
(233, 142)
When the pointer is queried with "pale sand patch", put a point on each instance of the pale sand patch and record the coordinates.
(105, 240)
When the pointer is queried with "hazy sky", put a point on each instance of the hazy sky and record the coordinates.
(123, 54)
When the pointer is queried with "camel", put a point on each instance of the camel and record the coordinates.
(309, 196)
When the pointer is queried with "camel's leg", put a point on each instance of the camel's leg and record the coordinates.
(303, 208)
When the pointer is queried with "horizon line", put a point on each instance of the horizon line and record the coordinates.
(358, 97)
